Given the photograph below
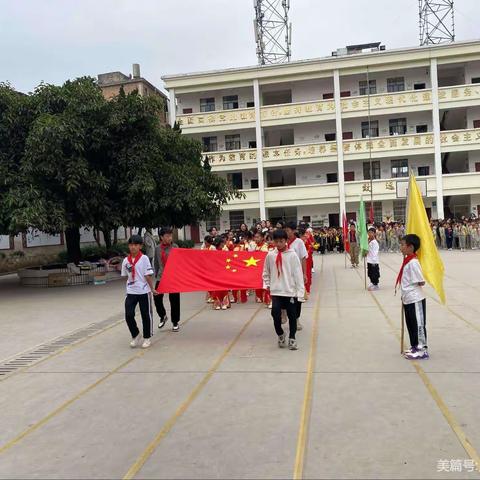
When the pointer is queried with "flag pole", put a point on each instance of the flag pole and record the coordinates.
(402, 334)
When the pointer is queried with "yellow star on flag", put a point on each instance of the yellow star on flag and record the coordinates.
(251, 262)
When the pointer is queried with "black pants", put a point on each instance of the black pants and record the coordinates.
(144, 300)
(416, 320)
(373, 270)
(174, 306)
(290, 305)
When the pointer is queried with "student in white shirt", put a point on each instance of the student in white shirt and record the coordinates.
(138, 269)
(373, 263)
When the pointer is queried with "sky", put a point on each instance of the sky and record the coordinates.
(54, 40)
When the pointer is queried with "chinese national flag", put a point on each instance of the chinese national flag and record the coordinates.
(208, 270)
(346, 242)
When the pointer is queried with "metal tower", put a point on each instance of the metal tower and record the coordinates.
(273, 33)
(436, 21)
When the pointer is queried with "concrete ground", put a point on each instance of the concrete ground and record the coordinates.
(219, 399)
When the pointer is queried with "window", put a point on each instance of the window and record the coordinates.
(237, 217)
(254, 183)
(399, 168)
(252, 144)
(399, 207)
(423, 171)
(362, 85)
(398, 126)
(235, 179)
(373, 129)
(207, 104)
(326, 96)
(330, 137)
(232, 142)
(212, 222)
(332, 177)
(476, 124)
(187, 110)
(209, 144)
(421, 128)
(347, 135)
(230, 102)
(250, 104)
(375, 169)
(307, 218)
(396, 84)
(287, 214)
(377, 211)
(475, 79)
(477, 166)
(277, 98)
(349, 176)
(281, 178)
(346, 93)
(419, 86)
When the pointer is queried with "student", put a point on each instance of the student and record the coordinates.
(162, 253)
(138, 270)
(411, 282)
(373, 263)
(283, 277)
(297, 245)
(354, 245)
(239, 295)
(262, 295)
(221, 300)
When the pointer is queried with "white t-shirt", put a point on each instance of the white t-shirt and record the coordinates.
(373, 248)
(142, 268)
(412, 275)
(300, 249)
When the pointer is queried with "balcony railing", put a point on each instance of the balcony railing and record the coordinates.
(198, 121)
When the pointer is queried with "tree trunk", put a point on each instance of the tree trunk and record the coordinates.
(115, 236)
(96, 234)
(107, 238)
(72, 239)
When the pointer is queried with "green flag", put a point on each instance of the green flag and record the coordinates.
(362, 229)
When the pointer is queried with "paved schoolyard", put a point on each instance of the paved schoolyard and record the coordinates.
(220, 400)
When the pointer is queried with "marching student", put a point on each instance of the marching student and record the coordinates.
(283, 277)
(262, 295)
(373, 262)
(306, 239)
(297, 245)
(162, 252)
(411, 281)
(208, 245)
(241, 295)
(220, 298)
(138, 270)
(354, 245)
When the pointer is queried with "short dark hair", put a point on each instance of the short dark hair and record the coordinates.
(413, 240)
(292, 225)
(372, 229)
(208, 239)
(279, 234)
(218, 240)
(135, 240)
(164, 231)
(259, 232)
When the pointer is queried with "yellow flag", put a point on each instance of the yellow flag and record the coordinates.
(417, 223)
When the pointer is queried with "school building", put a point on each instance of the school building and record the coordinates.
(305, 139)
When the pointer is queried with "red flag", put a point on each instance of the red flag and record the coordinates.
(191, 270)
(346, 243)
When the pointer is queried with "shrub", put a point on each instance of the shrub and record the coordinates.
(18, 253)
(62, 257)
(185, 243)
(2, 256)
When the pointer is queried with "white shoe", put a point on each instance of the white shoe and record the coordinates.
(136, 341)
(146, 343)
(292, 344)
(282, 341)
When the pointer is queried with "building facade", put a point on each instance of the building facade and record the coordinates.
(305, 140)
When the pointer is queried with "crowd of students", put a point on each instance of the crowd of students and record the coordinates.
(463, 234)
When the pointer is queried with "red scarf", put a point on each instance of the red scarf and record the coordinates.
(163, 247)
(133, 262)
(279, 261)
(260, 245)
(289, 242)
(406, 259)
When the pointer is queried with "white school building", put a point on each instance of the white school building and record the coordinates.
(295, 137)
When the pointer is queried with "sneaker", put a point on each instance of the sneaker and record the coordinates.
(223, 307)
(370, 285)
(299, 325)
(372, 288)
(216, 305)
(175, 328)
(146, 343)
(258, 300)
(163, 321)
(282, 341)
(136, 341)
(292, 344)
(269, 305)
(417, 354)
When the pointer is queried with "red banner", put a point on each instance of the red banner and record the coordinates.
(208, 270)
(346, 242)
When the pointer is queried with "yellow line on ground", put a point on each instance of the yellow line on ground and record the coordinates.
(152, 446)
(83, 392)
(302, 438)
(449, 417)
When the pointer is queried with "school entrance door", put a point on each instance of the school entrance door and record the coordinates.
(195, 233)
(333, 219)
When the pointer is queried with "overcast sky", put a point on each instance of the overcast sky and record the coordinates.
(54, 40)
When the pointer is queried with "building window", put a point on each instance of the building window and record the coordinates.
(396, 84)
(230, 102)
(209, 144)
(254, 183)
(399, 168)
(187, 110)
(476, 124)
(286, 214)
(349, 176)
(327, 96)
(399, 207)
(377, 211)
(398, 126)
(419, 86)
(475, 79)
(232, 142)
(362, 85)
(207, 104)
(375, 169)
(421, 128)
(330, 137)
(373, 129)
(347, 135)
(332, 177)
(423, 171)
(237, 217)
(281, 178)
(252, 144)
(235, 179)
(477, 166)
(250, 104)
(212, 222)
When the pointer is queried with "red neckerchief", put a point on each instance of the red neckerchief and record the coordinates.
(260, 245)
(289, 242)
(406, 259)
(163, 247)
(279, 261)
(133, 262)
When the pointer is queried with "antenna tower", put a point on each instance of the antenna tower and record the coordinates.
(436, 21)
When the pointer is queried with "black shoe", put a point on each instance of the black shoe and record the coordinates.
(176, 328)
(163, 321)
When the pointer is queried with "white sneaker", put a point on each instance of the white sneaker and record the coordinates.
(146, 343)
(136, 341)
(299, 325)
(292, 344)
(282, 341)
